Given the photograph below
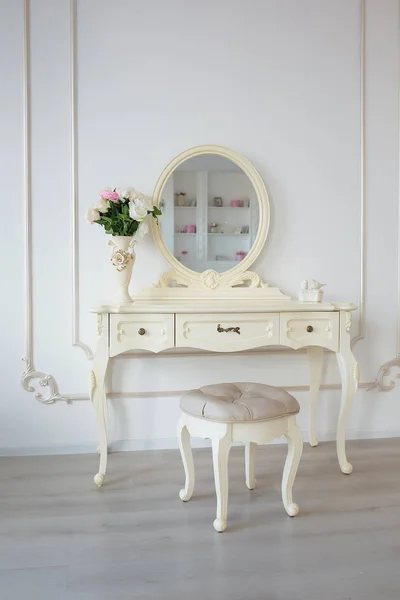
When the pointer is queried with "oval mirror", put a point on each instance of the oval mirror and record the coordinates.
(215, 211)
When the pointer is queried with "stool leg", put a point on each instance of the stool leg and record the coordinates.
(295, 449)
(187, 459)
(220, 450)
(250, 464)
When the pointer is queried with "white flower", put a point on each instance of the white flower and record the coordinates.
(131, 194)
(146, 200)
(137, 210)
(92, 214)
(102, 205)
(143, 228)
(128, 193)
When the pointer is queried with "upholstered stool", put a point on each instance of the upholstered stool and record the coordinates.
(249, 412)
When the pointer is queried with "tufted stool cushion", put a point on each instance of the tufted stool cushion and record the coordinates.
(239, 402)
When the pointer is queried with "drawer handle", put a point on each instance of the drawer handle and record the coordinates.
(221, 329)
(141, 331)
(310, 328)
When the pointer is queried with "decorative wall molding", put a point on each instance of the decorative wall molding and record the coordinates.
(169, 393)
(31, 378)
(44, 380)
(74, 183)
(361, 308)
(385, 370)
(75, 194)
(177, 393)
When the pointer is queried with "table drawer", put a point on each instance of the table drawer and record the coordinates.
(209, 331)
(141, 332)
(310, 329)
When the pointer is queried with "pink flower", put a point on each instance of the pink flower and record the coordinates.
(109, 195)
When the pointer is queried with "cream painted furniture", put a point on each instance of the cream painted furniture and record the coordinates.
(218, 310)
(246, 412)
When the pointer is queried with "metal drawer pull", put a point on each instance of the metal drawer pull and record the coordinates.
(310, 328)
(221, 329)
(141, 331)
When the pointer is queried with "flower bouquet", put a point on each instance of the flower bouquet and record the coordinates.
(124, 215)
(123, 212)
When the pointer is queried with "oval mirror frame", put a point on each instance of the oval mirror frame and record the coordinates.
(186, 275)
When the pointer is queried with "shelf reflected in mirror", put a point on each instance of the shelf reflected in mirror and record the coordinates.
(210, 213)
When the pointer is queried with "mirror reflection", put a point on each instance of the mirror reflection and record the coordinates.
(210, 213)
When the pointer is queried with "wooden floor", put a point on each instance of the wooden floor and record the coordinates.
(62, 538)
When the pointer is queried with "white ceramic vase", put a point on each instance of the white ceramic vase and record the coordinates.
(122, 259)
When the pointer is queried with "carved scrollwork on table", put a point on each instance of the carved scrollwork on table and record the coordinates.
(171, 277)
(92, 381)
(211, 280)
(357, 372)
(99, 326)
(249, 277)
(44, 380)
(120, 330)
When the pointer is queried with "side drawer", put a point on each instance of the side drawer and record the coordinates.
(141, 332)
(310, 329)
(208, 331)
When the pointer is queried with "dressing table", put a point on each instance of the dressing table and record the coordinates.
(209, 300)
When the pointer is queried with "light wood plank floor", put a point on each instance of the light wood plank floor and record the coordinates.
(62, 538)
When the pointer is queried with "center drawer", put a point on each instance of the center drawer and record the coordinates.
(227, 332)
(141, 332)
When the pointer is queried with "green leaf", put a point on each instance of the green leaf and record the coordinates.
(133, 226)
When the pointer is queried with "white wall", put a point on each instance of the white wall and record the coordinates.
(278, 81)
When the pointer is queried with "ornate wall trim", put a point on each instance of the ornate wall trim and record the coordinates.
(168, 393)
(360, 334)
(31, 377)
(381, 383)
(172, 393)
(384, 372)
(74, 183)
(50, 393)
(76, 341)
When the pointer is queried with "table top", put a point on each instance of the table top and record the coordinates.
(221, 306)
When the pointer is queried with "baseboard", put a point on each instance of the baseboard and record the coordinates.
(91, 447)
(171, 443)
